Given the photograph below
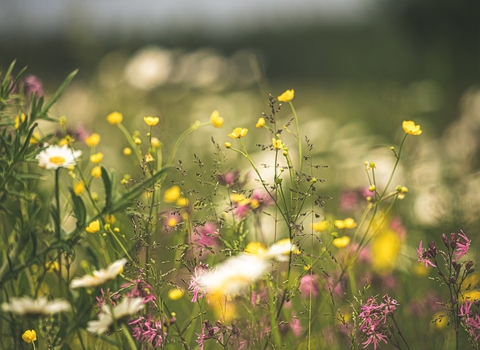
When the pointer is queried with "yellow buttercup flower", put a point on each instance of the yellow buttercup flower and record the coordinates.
(29, 336)
(79, 188)
(149, 158)
(93, 227)
(345, 224)
(175, 294)
(216, 120)
(341, 242)
(287, 96)
(96, 172)
(238, 133)
(93, 140)
(96, 158)
(182, 202)
(319, 226)
(172, 194)
(115, 118)
(277, 144)
(410, 128)
(151, 121)
(260, 123)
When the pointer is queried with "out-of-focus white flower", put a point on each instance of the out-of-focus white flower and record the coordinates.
(99, 277)
(281, 250)
(149, 68)
(55, 157)
(126, 308)
(233, 275)
(35, 307)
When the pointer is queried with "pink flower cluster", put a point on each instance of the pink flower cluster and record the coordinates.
(373, 317)
(470, 319)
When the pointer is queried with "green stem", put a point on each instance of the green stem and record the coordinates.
(187, 132)
(130, 141)
(299, 140)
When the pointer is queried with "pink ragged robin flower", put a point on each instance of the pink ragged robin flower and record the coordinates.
(194, 287)
(423, 255)
(463, 244)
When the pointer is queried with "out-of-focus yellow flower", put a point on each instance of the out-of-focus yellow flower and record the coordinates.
(149, 158)
(223, 307)
(440, 320)
(470, 295)
(127, 151)
(96, 158)
(287, 96)
(63, 121)
(137, 141)
(35, 138)
(155, 142)
(66, 141)
(96, 172)
(93, 140)
(341, 242)
(256, 248)
(419, 269)
(172, 222)
(29, 336)
(79, 188)
(277, 144)
(237, 197)
(182, 202)
(115, 118)
(52, 266)
(319, 226)
(260, 123)
(93, 227)
(216, 120)
(172, 194)
(19, 119)
(151, 121)
(410, 128)
(238, 133)
(110, 219)
(175, 294)
(345, 224)
(385, 250)
(228, 145)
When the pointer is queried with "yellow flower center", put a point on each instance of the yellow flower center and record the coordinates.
(57, 160)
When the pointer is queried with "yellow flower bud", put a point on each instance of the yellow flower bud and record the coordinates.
(96, 158)
(155, 142)
(52, 266)
(96, 172)
(287, 96)
(345, 224)
(63, 121)
(19, 119)
(93, 140)
(175, 294)
(372, 188)
(115, 118)
(93, 227)
(151, 121)
(228, 145)
(127, 151)
(79, 188)
(137, 141)
(216, 120)
(260, 123)
(110, 219)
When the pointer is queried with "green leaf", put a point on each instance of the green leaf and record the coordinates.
(107, 183)
(79, 209)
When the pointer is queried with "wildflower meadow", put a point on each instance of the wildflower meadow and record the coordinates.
(141, 230)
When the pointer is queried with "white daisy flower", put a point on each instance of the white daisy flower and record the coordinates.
(99, 277)
(233, 275)
(35, 307)
(280, 250)
(126, 308)
(55, 157)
